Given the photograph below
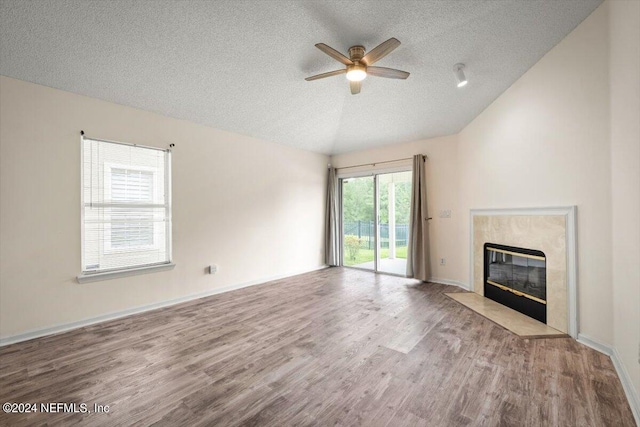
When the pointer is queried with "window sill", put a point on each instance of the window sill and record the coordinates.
(96, 277)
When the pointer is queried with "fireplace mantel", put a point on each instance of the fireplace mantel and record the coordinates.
(551, 230)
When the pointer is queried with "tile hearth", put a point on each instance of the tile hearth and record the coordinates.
(513, 321)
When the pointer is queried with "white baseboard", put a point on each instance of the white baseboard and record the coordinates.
(64, 327)
(627, 385)
(449, 282)
(595, 344)
(625, 379)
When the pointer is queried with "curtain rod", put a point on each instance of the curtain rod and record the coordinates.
(83, 135)
(424, 157)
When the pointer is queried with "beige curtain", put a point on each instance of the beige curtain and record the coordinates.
(332, 237)
(418, 250)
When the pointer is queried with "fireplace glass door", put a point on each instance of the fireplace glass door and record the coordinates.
(517, 278)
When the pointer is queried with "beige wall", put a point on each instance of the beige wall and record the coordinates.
(545, 142)
(254, 208)
(442, 184)
(624, 22)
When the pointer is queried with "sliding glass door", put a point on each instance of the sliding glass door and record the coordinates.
(375, 221)
(358, 222)
(394, 205)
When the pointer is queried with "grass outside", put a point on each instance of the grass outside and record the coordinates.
(366, 255)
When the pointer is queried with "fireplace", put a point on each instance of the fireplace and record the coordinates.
(517, 278)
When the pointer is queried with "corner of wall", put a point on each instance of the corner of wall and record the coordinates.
(624, 86)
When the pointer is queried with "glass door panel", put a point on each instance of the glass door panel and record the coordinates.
(358, 222)
(394, 206)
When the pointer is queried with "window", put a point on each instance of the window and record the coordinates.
(126, 207)
(130, 229)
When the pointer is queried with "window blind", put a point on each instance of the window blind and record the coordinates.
(126, 206)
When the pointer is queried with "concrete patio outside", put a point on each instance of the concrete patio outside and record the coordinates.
(393, 266)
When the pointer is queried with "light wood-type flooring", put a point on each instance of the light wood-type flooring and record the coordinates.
(333, 347)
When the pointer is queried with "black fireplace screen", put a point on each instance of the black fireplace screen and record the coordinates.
(517, 278)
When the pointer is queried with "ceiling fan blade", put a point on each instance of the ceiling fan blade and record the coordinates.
(380, 51)
(323, 75)
(334, 53)
(355, 87)
(389, 73)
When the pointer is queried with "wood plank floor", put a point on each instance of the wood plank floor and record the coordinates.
(333, 347)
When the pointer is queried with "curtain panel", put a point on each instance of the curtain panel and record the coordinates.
(332, 228)
(418, 248)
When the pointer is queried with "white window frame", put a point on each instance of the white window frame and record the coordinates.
(88, 276)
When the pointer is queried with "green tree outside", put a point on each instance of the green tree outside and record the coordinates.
(358, 205)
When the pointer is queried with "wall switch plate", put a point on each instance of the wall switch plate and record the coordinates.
(445, 213)
(213, 269)
(443, 261)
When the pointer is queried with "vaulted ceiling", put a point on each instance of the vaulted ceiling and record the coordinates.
(240, 65)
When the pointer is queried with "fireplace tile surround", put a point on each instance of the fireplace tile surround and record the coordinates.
(550, 230)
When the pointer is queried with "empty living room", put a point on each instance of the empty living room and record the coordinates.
(320, 212)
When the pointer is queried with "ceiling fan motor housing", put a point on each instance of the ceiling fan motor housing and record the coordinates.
(356, 53)
(358, 70)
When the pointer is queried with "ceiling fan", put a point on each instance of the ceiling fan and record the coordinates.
(359, 65)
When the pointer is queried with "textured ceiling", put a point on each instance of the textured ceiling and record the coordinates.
(240, 65)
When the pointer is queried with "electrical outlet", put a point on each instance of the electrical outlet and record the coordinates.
(443, 261)
(213, 269)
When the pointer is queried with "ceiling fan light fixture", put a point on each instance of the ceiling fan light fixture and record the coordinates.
(356, 73)
(458, 69)
(359, 65)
